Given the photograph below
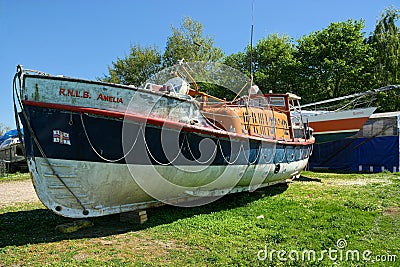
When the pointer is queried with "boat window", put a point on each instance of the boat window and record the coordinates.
(278, 101)
(178, 85)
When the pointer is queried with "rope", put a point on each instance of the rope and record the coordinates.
(271, 158)
(16, 115)
(200, 162)
(33, 135)
(301, 153)
(287, 154)
(284, 155)
(97, 153)
(159, 162)
(248, 158)
(225, 159)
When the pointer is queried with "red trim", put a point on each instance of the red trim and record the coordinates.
(157, 122)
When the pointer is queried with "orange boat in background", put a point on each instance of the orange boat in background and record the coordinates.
(334, 125)
(344, 121)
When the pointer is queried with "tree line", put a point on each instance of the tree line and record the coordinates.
(4, 129)
(335, 61)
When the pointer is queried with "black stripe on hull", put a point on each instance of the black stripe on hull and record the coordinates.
(104, 139)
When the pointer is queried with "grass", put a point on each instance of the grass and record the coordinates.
(310, 214)
(18, 176)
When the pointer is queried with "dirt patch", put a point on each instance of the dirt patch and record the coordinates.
(391, 211)
(358, 182)
(127, 246)
(17, 192)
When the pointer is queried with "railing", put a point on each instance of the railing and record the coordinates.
(259, 121)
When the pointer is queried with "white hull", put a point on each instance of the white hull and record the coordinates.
(107, 188)
(317, 116)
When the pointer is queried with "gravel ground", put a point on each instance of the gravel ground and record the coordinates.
(16, 192)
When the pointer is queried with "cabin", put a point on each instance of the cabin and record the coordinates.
(265, 116)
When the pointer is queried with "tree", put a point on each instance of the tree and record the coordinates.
(3, 129)
(135, 68)
(333, 62)
(272, 59)
(189, 43)
(239, 61)
(141, 63)
(386, 43)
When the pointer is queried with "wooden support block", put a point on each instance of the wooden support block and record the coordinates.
(133, 217)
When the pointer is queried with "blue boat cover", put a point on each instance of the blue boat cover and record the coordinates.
(10, 134)
(374, 148)
(358, 154)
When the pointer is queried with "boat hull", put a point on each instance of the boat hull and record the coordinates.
(337, 125)
(107, 188)
(95, 148)
(92, 171)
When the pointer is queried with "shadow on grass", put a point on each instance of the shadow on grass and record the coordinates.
(307, 179)
(38, 226)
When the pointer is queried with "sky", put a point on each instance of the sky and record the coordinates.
(82, 38)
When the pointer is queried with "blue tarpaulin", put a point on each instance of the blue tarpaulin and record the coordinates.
(375, 148)
(9, 134)
(358, 154)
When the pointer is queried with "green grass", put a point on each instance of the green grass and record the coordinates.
(311, 213)
(18, 176)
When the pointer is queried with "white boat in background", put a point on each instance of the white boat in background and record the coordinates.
(334, 125)
(12, 156)
(340, 123)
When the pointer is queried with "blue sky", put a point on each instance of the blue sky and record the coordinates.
(81, 38)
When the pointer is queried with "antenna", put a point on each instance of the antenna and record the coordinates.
(251, 58)
(251, 69)
(251, 43)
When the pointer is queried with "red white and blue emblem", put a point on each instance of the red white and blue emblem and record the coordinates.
(61, 137)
